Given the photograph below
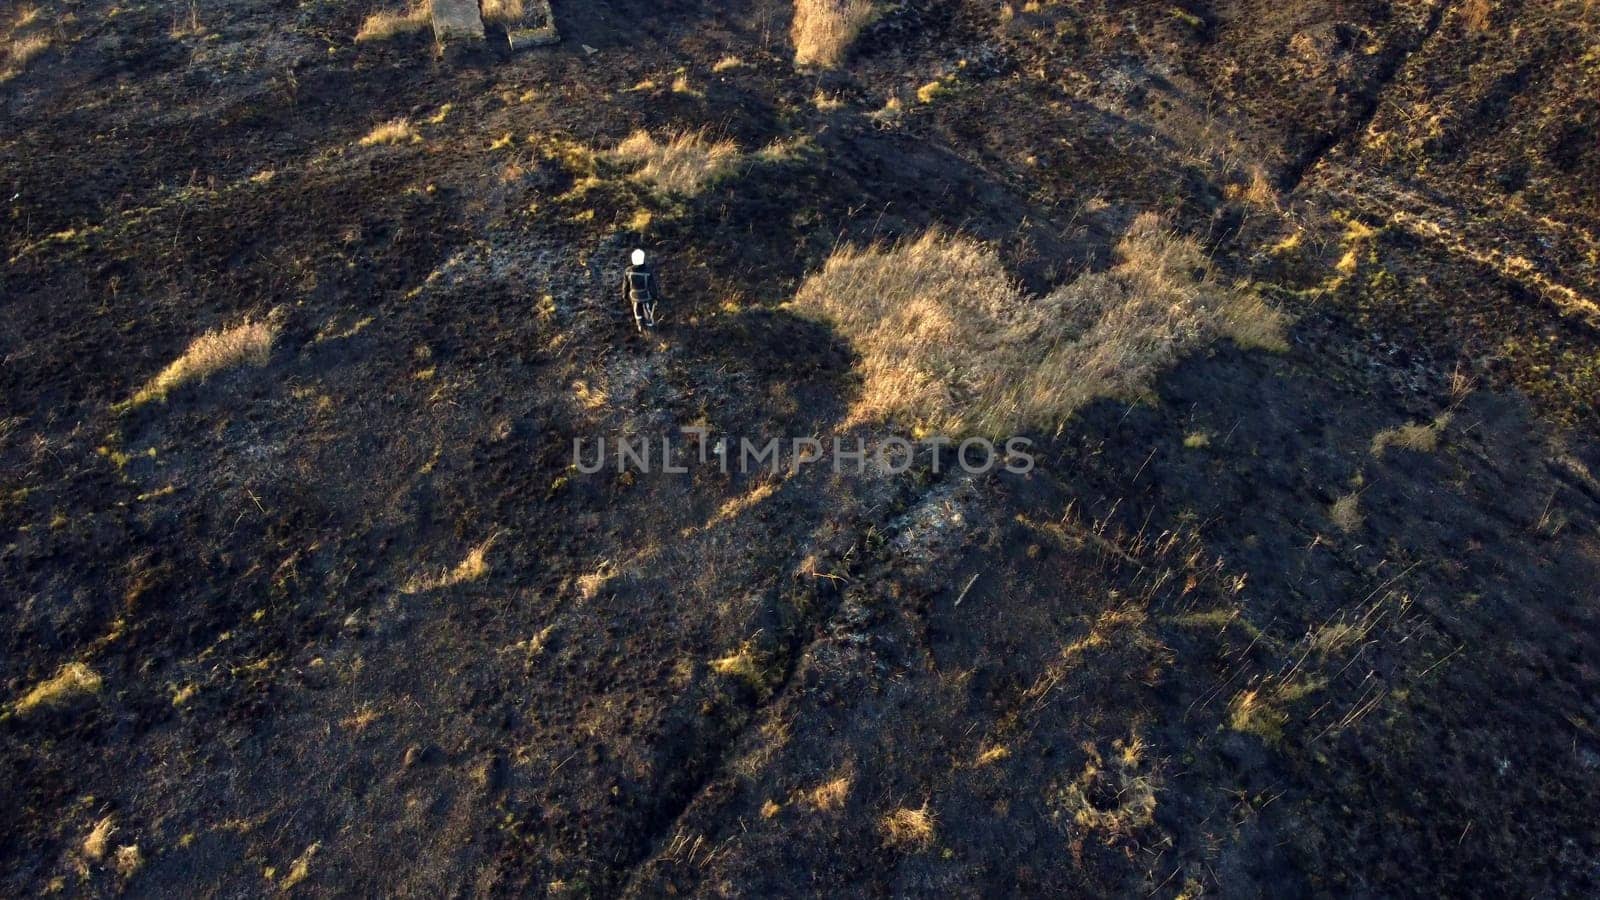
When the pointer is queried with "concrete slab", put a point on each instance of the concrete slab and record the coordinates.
(537, 28)
(456, 20)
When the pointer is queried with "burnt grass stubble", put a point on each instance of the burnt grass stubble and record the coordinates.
(985, 648)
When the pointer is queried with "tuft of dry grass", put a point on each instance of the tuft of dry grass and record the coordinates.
(949, 343)
(681, 85)
(395, 131)
(247, 343)
(992, 755)
(892, 112)
(908, 828)
(829, 795)
(1346, 513)
(301, 867)
(933, 90)
(502, 12)
(1334, 638)
(727, 63)
(1417, 437)
(128, 860)
(590, 586)
(1263, 710)
(20, 51)
(471, 568)
(685, 163)
(1252, 712)
(745, 664)
(1258, 191)
(98, 840)
(72, 681)
(823, 30)
(1114, 796)
(1478, 15)
(381, 26)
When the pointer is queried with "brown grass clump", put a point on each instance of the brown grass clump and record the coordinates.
(823, 30)
(1263, 710)
(950, 344)
(395, 131)
(247, 343)
(74, 680)
(590, 586)
(1346, 513)
(128, 861)
(98, 841)
(502, 12)
(908, 828)
(1417, 437)
(685, 163)
(20, 51)
(1478, 15)
(472, 568)
(745, 664)
(1252, 712)
(301, 867)
(381, 26)
(1115, 796)
(829, 795)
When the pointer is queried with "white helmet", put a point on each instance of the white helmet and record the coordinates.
(638, 257)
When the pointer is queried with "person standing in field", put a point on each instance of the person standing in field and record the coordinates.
(642, 290)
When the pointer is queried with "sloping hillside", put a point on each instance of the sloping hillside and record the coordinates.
(303, 587)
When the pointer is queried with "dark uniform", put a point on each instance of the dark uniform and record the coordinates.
(640, 287)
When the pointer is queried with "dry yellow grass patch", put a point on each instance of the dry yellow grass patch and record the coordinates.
(908, 828)
(932, 91)
(684, 163)
(72, 681)
(98, 841)
(948, 342)
(247, 343)
(128, 860)
(301, 867)
(1258, 191)
(396, 131)
(501, 12)
(992, 755)
(737, 506)
(1262, 710)
(1334, 637)
(1115, 796)
(681, 85)
(745, 664)
(472, 568)
(1346, 513)
(1419, 437)
(20, 51)
(823, 30)
(784, 151)
(829, 795)
(381, 26)
(726, 63)
(892, 111)
(1477, 14)
(590, 586)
